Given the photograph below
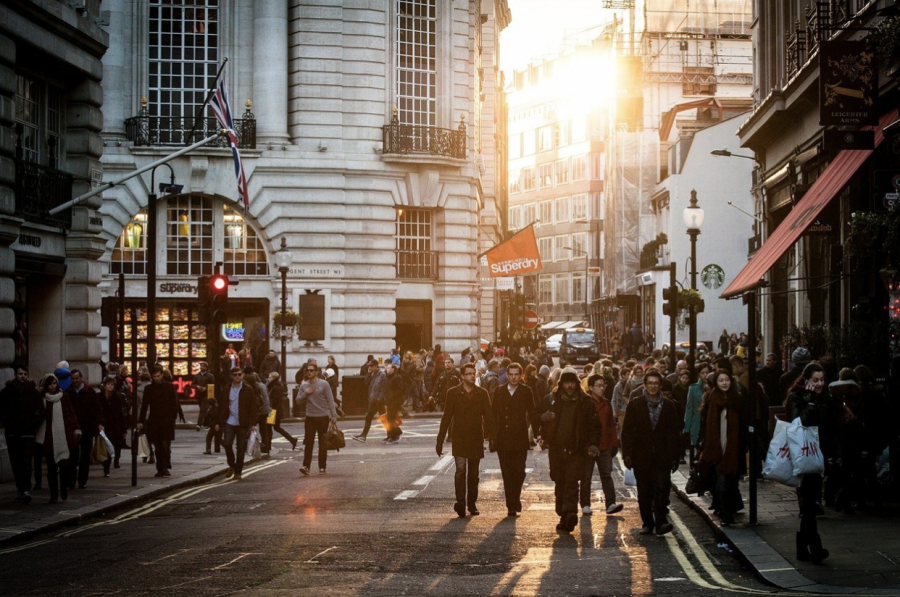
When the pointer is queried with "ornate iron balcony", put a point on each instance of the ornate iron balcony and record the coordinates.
(407, 139)
(145, 130)
(38, 190)
(796, 50)
(417, 265)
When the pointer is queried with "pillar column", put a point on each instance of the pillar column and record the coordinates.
(270, 71)
(9, 224)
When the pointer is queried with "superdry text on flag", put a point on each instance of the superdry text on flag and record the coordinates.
(222, 110)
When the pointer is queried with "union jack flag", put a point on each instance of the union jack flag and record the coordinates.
(221, 109)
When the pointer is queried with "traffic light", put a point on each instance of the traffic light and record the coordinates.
(670, 301)
(520, 311)
(203, 299)
(218, 299)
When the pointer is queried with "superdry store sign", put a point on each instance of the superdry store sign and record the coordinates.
(519, 255)
(848, 83)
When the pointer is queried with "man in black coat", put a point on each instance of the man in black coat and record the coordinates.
(514, 410)
(571, 431)
(89, 413)
(21, 412)
(161, 401)
(650, 446)
(468, 409)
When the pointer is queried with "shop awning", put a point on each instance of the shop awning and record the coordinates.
(550, 325)
(577, 323)
(826, 187)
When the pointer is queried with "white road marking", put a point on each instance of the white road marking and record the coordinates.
(312, 560)
(240, 557)
(442, 463)
(29, 546)
(406, 494)
(425, 480)
(180, 552)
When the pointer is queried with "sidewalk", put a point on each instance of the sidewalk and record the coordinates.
(865, 547)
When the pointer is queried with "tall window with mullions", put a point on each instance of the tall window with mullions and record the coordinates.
(184, 56)
(416, 76)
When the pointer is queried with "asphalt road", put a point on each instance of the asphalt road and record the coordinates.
(380, 522)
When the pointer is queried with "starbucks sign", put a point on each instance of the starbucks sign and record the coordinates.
(712, 276)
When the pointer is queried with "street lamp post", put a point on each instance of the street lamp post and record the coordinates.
(283, 259)
(587, 313)
(693, 220)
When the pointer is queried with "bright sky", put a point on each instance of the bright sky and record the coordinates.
(539, 27)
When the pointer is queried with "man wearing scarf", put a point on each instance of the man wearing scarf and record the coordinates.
(569, 427)
(650, 446)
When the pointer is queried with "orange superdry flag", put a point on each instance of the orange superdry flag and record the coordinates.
(519, 255)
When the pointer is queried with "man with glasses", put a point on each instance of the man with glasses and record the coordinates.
(21, 412)
(650, 446)
(320, 414)
(468, 411)
(238, 414)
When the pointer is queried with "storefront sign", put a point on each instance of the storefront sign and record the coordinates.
(233, 332)
(887, 188)
(506, 283)
(177, 287)
(30, 240)
(848, 83)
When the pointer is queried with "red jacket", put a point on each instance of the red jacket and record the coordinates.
(608, 436)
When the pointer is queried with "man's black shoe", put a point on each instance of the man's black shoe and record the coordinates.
(460, 510)
(474, 511)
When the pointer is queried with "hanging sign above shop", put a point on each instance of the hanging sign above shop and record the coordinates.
(848, 83)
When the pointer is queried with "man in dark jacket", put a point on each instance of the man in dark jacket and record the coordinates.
(446, 380)
(514, 410)
(650, 446)
(238, 413)
(800, 358)
(21, 412)
(468, 409)
(201, 383)
(161, 401)
(89, 413)
(270, 363)
(571, 431)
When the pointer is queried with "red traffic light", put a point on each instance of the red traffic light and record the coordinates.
(219, 283)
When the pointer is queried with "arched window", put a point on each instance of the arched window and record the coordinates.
(198, 231)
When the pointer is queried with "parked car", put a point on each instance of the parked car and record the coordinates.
(553, 344)
(579, 346)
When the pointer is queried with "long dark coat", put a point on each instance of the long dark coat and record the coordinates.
(512, 416)
(162, 402)
(472, 419)
(649, 448)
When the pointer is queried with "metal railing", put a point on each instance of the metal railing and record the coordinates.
(145, 130)
(39, 189)
(417, 265)
(796, 50)
(407, 139)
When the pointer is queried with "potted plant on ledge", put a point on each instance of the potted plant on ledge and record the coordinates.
(285, 325)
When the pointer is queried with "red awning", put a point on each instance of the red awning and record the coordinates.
(827, 186)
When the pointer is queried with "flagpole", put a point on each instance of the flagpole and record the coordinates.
(209, 94)
(109, 185)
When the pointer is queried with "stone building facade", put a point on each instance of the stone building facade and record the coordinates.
(51, 102)
(367, 134)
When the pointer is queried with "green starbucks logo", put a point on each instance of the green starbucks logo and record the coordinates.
(712, 276)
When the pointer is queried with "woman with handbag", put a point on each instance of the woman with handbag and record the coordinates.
(809, 400)
(722, 446)
(57, 435)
